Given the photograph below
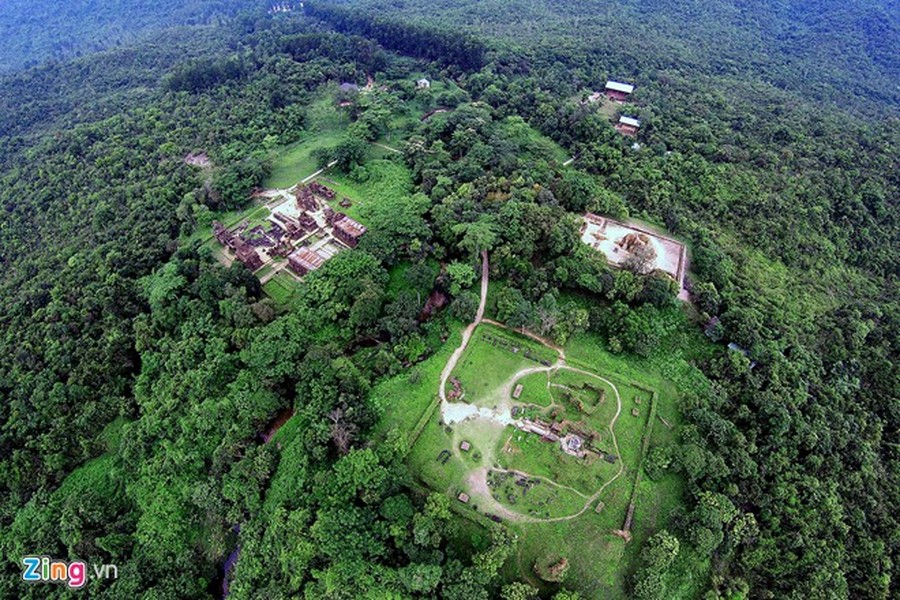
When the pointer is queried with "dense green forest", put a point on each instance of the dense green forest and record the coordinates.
(34, 32)
(843, 52)
(139, 373)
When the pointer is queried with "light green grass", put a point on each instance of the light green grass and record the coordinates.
(526, 452)
(253, 211)
(534, 390)
(295, 162)
(326, 125)
(387, 179)
(446, 477)
(540, 500)
(264, 271)
(403, 400)
(483, 367)
(281, 288)
(599, 561)
(603, 561)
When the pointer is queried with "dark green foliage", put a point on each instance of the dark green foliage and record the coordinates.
(448, 47)
(34, 33)
(202, 75)
(657, 557)
(347, 156)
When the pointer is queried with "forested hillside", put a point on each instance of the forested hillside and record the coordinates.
(35, 31)
(754, 149)
(843, 52)
(144, 381)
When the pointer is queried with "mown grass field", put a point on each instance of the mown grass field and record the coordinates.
(534, 390)
(403, 400)
(295, 162)
(538, 498)
(326, 124)
(281, 288)
(527, 453)
(485, 366)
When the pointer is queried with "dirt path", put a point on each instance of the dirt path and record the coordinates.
(559, 350)
(481, 474)
(319, 172)
(467, 334)
(541, 477)
(477, 480)
(388, 148)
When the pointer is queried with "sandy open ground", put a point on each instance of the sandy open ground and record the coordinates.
(603, 235)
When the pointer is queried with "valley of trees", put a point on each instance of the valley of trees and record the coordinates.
(138, 373)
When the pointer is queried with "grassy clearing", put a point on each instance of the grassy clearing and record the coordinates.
(260, 216)
(291, 471)
(534, 390)
(449, 476)
(583, 398)
(533, 496)
(403, 400)
(295, 162)
(265, 271)
(599, 561)
(386, 179)
(486, 364)
(527, 453)
(586, 405)
(611, 109)
(326, 125)
(603, 561)
(281, 288)
(252, 212)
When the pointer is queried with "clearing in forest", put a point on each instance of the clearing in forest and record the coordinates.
(536, 438)
(541, 458)
(550, 445)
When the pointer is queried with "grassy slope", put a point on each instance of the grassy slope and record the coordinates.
(484, 367)
(387, 179)
(296, 162)
(325, 128)
(403, 403)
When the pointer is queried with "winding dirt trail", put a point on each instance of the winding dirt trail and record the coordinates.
(467, 334)
(319, 172)
(480, 486)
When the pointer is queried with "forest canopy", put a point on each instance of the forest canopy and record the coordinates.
(160, 410)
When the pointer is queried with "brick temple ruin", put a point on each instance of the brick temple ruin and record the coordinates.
(303, 229)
